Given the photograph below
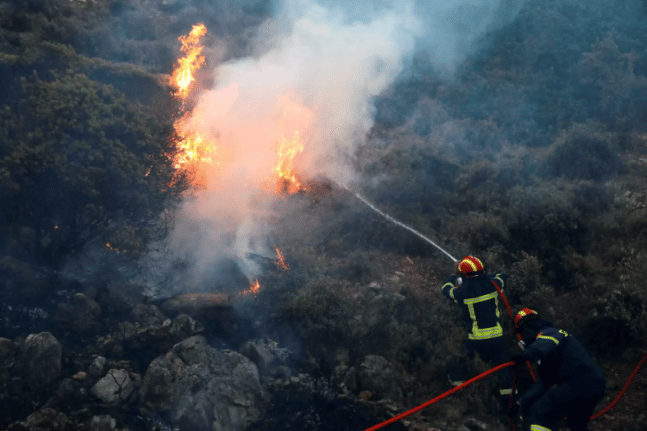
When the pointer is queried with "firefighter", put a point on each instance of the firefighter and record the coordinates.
(476, 293)
(569, 384)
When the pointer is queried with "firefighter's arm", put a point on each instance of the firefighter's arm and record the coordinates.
(501, 280)
(449, 287)
(544, 344)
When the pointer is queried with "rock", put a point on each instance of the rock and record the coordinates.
(7, 348)
(114, 388)
(42, 360)
(215, 308)
(183, 327)
(121, 298)
(379, 376)
(266, 362)
(46, 419)
(69, 394)
(98, 367)
(147, 314)
(204, 388)
(78, 313)
(103, 423)
(193, 303)
(142, 340)
(81, 375)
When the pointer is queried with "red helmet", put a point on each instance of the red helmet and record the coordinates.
(524, 315)
(470, 266)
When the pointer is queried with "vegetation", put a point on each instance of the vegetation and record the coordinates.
(533, 157)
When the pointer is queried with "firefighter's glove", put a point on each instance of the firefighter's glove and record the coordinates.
(518, 359)
(513, 411)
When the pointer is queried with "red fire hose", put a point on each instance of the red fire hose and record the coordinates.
(439, 397)
(507, 305)
(488, 372)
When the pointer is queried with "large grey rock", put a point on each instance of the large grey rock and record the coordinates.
(42, 360)
(114, 388)
(381, 377)
(162, 337)
(203, 388)
(265, 354)
(78, 313)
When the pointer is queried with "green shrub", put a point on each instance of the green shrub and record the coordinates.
(584, 152)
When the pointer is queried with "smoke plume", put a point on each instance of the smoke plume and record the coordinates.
(315, 71)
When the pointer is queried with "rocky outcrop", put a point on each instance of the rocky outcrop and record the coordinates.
(114, 388)
(79, 313)
(215, 309)
(42, 360)
(380, 377)
(202, 388)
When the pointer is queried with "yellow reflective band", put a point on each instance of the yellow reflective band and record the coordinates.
(539, 428)
(501, 280)
(470, 263)
(483, 333)
(481, 298)
(546, 337)
(505, 391)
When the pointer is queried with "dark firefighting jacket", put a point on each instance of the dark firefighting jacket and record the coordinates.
(479, 300)
(562, 360)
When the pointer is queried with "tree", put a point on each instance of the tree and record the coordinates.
(79, 162)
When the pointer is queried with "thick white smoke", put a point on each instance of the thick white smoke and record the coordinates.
(316, 69)
(313, 78)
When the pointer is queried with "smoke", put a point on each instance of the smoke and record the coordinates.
(315, 70)
(452, 28)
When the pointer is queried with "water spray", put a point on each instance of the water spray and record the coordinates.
(397, 222)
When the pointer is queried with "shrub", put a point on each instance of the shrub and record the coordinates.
(584, 152)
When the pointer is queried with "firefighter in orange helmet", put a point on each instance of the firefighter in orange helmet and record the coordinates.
(569, 384)
(476, 293)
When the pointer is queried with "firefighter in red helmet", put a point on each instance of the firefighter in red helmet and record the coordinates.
(476, 292)
(569, 384)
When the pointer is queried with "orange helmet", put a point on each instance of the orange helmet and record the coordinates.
(524, 315)
(470, 266)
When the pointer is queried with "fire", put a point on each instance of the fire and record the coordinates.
(290, 144)
(287, 150)
(113, 248)
(183, 76)
(281, 260)
(253, 289)
(193, 148)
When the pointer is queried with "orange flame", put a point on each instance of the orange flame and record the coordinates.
(183, 76)
(193, 148)
(281, 260)
(286, 151)
(113, 248)
(295, 116)
(253, 289)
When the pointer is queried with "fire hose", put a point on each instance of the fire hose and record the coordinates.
(493, 370)
(487, 373)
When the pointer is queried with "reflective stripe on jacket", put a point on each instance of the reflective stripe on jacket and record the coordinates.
(479, 301)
